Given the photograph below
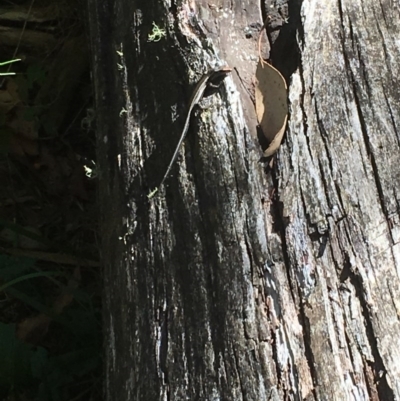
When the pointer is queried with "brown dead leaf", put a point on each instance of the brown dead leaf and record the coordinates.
(33, 329)
(9, 96)
(24, 140)
(67, 296)
(22, 125)
(271, 104)
(21, 146)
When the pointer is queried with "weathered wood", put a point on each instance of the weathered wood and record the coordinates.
(219, 288)
(339, 187)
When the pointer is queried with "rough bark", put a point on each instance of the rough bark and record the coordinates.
(221, 287)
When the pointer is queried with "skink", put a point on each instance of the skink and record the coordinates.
(205, 81)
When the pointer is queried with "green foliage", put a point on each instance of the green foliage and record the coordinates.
(71, 353)
(15, 359)
(35, 74)
(157, 33)
(5, 136)
(32, 370)
(7, 63)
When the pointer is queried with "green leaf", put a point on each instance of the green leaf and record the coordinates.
(28, 277)
(13, 266)
(36, 75)
(5, 136)
(39, 360)
(15, 357)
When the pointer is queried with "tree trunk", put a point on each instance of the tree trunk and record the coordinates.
(230, 283)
